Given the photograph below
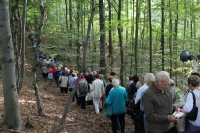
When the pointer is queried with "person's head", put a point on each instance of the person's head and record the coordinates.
(115, 82)
(196, 73)
(112, 75)
(82, 76)
(162, 80)
(101, 76)
(130, 78)
(110, 80)
(135, 78)
(149, 78)
(141, 80)
(138, 85)
(171, 83)
(73, 74)
(97, 76)
(193, 82)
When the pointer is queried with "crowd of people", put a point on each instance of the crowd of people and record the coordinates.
(150, 99)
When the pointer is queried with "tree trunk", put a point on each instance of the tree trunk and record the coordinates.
(23, 43)
(162, 34)
(120, 43)
(36, 63)
(62, 121)
(102, 38)
(136, 35)
(110, 34)
(12, 118)
(150, 37)
(170, 40)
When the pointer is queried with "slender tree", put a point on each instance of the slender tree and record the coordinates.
(136, 35)
(162, 33)
(36, 62)
(12, 117)
(150, 36)
(62, 121)
(119, 28)
(102, 38)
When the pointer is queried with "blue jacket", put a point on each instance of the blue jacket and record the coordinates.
(117, 98)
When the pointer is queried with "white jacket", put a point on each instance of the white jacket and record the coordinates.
(64, 81)
(97, 88)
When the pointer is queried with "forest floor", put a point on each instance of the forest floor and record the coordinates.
(53, 104)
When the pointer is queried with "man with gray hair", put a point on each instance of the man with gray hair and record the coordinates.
(158, 106)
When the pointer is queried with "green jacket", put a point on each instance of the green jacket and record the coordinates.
(157, 106)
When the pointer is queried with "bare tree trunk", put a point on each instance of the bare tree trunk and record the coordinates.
(150, 37)
(136, 35)
(62, 121)
(170, 40)
(162, 34)
(120, 42)
(17, 44)
(23, 43)
(102, 38)
(36, 62)
(110, 34)
(12, 118)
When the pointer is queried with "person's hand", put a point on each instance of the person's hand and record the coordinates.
(179, 110)
(172, 118)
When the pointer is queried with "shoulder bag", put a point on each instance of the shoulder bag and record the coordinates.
(192, 115)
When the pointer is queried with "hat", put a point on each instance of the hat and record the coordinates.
(171, 82)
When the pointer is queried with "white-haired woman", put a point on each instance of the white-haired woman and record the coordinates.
(117, 98)
(149, 78)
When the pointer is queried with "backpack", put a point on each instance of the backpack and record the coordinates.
(82, 86)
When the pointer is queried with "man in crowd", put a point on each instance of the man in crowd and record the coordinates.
(158, 105)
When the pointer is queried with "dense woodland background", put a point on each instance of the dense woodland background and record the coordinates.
(128, 37)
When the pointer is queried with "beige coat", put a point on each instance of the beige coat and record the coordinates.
(97, 88)
(64, 81)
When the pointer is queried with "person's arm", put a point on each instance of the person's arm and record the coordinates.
(109, 99)
(189, 103)
(138, 96)
(149, 110)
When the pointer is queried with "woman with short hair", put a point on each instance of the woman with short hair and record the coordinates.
(193, 84)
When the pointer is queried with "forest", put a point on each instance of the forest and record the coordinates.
(130, 37)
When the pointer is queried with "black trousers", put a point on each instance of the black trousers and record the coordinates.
(121, 121)
(64, 90)
(82, 102)
(169, 131)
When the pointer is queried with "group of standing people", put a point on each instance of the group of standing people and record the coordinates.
(153, 96)
(156, 98)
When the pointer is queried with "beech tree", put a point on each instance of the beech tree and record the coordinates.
(12, 116)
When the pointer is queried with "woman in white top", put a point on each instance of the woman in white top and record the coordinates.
(97, 91)
(193, 84)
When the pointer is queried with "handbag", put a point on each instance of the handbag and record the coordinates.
(88, 97)
(192, 115)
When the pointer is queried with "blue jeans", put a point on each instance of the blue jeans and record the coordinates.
(190, 128)
(145, 124)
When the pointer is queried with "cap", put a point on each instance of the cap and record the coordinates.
(171, 82)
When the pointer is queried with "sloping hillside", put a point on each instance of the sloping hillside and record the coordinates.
(53, 103)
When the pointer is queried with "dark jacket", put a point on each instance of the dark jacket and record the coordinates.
(157, 106)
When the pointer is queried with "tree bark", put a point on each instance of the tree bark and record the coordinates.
(23, 43)
(36, 62)
(62, 121)
(12, 117)
(102, 38)
(162, 34)
(120, 43)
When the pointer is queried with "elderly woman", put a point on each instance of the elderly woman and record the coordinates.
(149, 78)
(117, 98)
(193, 84)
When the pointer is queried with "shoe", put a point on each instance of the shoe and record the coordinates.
(82, 109)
